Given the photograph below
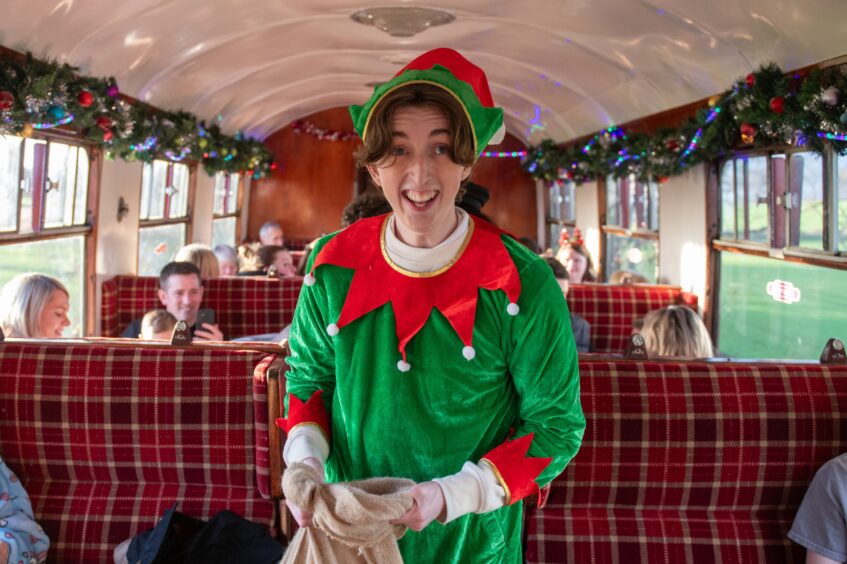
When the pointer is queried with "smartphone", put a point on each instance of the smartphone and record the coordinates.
(205, 315)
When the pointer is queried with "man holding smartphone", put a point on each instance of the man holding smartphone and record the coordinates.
(181, 292)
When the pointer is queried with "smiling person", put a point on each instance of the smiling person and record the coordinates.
(34, 305)
(181, 292)
(426, 343)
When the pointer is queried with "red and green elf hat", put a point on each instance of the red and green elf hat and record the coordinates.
(447, 69)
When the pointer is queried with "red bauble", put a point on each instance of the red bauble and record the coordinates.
(7, 100)
(104, 123)
(85, 98)
(672, 145)
(107, 135)
(750, 80)
(748, 133)
(777, 104)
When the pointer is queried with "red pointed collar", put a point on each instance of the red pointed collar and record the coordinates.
(484, 263)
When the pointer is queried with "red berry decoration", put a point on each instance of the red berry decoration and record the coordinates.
(85, 98)
(104, 123)
(750, 80)
(7, 100)
(672, 145)
(777, 104)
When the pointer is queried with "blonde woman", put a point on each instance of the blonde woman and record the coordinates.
(34, 305)
(676, 331)
(202, 257)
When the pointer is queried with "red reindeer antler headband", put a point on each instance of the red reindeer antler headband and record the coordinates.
(565, 238)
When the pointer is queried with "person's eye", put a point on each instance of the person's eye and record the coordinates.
(398, 151)
(442, 149)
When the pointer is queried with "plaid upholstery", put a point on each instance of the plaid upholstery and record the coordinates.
(243, 306)
(611, 309)
(105, 437)
(691, 462)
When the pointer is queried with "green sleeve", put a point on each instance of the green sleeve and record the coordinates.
(312, 360)
(545, 370)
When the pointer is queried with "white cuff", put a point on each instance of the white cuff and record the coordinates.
(303, 442)
(474, 489)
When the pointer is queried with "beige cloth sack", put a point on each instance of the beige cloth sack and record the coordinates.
(350, 522)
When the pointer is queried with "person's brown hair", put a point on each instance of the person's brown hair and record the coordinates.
(267, 255)
(676, 331)
(376, 150)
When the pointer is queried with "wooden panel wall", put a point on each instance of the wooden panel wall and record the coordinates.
(315, 180)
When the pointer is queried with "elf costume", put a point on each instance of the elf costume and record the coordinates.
(419, 375)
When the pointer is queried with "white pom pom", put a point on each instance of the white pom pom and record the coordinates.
(309, 280)
(403, 366)
(513, 309)
(332, 329)
(469, 353)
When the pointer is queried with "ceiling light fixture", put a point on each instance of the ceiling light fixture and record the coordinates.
(402, 21)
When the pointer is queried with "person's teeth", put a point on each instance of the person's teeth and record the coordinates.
(420, 197)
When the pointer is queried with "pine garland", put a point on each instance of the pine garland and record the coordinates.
(42, 94)
(766, 108)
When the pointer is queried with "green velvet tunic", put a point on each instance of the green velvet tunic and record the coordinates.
(427, 422)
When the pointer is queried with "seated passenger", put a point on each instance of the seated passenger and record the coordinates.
(34, 305)
(227, 260)
(21, 538)
(202, 257)
(819, 525)
(626, 277)
(277, 256)
(576, 258)
(270, 233)
(157, 325)
(676, 331)
(181, 292)
(580, 327)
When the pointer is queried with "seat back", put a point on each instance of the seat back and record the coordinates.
(104, 437)
(691, 462)
(611, 309)
(243, 305)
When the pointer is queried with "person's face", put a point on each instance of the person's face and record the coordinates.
(227, 267)
(576, 264)
(182, 296)
(273, 236)
(54, 316)
(419, 179)
(285, 264)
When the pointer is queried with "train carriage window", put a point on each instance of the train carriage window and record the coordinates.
(631, 229)
(226, 208)
(44, 189)
(775, 297)
(164, 214)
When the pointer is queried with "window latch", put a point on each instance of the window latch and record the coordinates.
(50, 185)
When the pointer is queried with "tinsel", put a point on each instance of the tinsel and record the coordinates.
(301, 126)
(801, 113)
(43, 90)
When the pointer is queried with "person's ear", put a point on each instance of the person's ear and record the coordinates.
(163, 296)
(466, 173)
(374, 175)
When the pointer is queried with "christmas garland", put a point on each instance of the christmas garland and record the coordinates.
(301, 126)
(766, 108)
(42, 94)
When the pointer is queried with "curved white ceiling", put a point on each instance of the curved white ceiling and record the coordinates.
(559, 68)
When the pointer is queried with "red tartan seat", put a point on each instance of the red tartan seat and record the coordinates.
(105, 437)
(243, 305)
(611, 309)
(691, 462)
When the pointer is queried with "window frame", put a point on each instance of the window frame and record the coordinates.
(187, 220)
(830, 257)
(239, 200)
(607, 229)
(88, 230)
(549, 220)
